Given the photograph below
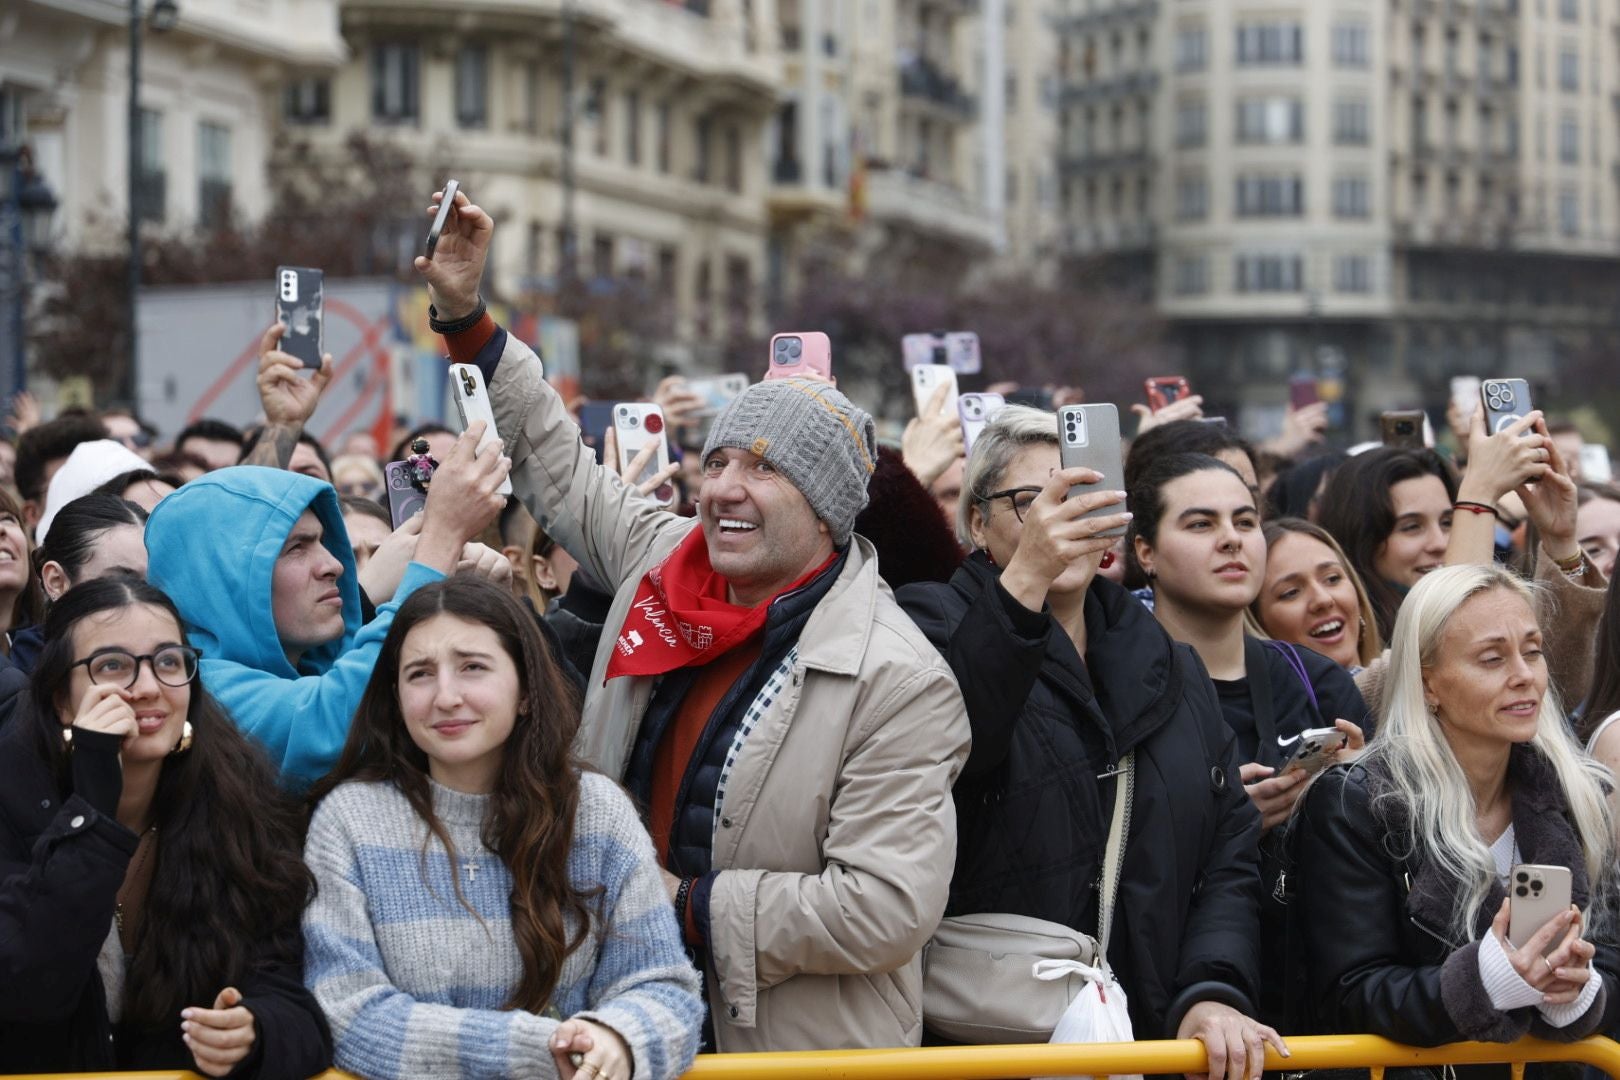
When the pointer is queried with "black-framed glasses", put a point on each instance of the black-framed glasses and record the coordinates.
(1019, 498)
(172, 665)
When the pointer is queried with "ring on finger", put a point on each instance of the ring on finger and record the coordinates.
(1548, 963)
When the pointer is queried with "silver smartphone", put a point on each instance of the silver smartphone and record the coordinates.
(445, 208)
(1506, 402)
(1088, 435)
(1315, 750)
(472, 403)
(1536, 894)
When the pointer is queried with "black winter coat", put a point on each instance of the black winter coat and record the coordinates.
(63, 856)
(1378, 953)
(1032, 810)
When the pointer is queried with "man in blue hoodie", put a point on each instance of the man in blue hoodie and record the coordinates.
(259, 563)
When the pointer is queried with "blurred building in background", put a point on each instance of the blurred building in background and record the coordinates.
(1410, 189)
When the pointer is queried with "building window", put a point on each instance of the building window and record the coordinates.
(213, 175)
(1269, 273)
(602, 257)
(702, 139)
(1352, 274)
(1352, 46)
(1569, 10)
(395, 83)
(1351, 123)
(632, 127)
(1569, 139)
(1191, 276)
(597, 107)
(1192, 48)
(734, 161)
(1274, 120)
(1420, 123)
(1352, 197)
(308, 101)
(1192, 198)
(662, 134)
(1569, 212)
(151, 182)
(1270, 196)
(1190, 123)
(1270, 43)
(472, 86)
(1569, 70)
(531, 97)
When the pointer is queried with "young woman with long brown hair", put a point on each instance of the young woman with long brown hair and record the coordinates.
(485, 907)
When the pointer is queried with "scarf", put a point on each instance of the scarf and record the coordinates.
(681, 618)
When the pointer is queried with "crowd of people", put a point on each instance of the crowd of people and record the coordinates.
(572, 783)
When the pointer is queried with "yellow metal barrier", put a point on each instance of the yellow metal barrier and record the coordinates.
(1086, 1059)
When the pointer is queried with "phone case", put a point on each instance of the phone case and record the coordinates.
(975, 411)
(1315, 750)
(1536, 894)
(636, 424)
(1403, 429)
(1163, 390)
(926, 379)
(1506, 400)
(958, 350)
(1302, 391)
(446, 205)
(806, 353)
(405, 499)
(1088, 435)
(717, 391)
(299, 309)
(595, 417)
(472, 403)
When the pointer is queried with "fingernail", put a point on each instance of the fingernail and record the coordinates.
(1123, 494)
(185, 1014)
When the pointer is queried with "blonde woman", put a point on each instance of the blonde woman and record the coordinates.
(1402, 857)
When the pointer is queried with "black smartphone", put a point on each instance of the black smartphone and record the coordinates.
(445, 207)
(1402, 428)
(595, 417)
(405, 499)
(299, 310)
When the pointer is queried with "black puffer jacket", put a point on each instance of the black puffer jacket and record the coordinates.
(1032, 813)
(1374, 922)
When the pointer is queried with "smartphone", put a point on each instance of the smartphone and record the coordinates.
(445, 208)
(472, 403)
(957, 349)
(928, 378)
(1595, 466)
(299, 311)
(405, 499)
(717, 391)
(1303, 391)
(801, 353)
(595, 417)
(636, 424)
(1402, 428)
(1465, 394)
(1506, 401)
(1089, 435)
(1162, 390)
(1535, 895)
(975, 411)
(1315, 750)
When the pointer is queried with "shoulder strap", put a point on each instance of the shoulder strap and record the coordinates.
(1290, 652)
(1258, 674)
(1118, 832)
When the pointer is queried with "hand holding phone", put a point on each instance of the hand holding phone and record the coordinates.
(472, 403)
(1536, 895)
(636, 425)
(804, 353)
(300, 309)
(1088, 435)
(1316, 750)
(1506, 400)
(446, 208)
(926, 379)
(405, 498)
(1165, 390)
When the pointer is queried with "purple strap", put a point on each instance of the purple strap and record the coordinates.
(1291, 654)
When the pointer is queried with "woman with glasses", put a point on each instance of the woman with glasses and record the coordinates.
(150, 878)
(1064, 673)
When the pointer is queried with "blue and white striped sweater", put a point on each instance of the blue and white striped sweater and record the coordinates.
(413, 985)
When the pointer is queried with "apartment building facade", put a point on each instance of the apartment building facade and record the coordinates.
(1404, 190)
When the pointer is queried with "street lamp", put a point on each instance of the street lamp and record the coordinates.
(165, 15)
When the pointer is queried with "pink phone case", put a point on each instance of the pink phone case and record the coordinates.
(800, 353)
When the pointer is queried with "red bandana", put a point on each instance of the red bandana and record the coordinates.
(681, 617)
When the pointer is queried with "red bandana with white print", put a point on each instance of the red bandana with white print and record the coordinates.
(681, 617)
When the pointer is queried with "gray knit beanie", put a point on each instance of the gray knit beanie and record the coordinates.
(822, 442)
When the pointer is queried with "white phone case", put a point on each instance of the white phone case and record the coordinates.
(635, 424)
(472, 403)
(926, 378)
(1535, 895)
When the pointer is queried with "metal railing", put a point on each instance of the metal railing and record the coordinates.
(1089, 1059)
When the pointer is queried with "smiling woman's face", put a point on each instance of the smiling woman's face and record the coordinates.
(1417, 544)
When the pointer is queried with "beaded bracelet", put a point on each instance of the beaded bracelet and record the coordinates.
(683, 894)
(1474, 507)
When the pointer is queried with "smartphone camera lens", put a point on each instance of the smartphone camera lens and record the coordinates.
(1523, 877)
(794, 348)
(633, 421)
(1535, 887)
(1521, 891)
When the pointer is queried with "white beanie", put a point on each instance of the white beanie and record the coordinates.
(89, 466)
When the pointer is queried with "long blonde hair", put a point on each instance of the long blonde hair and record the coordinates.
(1426, 779)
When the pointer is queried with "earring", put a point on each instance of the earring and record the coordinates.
(185, 740)
(67, 739)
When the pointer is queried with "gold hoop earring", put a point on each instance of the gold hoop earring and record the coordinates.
(185, 740)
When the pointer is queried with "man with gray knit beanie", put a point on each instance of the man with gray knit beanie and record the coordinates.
(791, 736)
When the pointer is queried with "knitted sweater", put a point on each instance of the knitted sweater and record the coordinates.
(413, 985)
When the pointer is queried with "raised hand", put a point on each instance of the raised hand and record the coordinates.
(933, 441)
(1056, 535)
(288, 399)
(457, 266)
(463, 499)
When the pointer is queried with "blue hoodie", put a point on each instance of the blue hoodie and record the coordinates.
(212, 547)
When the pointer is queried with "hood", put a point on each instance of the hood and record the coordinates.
(212, 546)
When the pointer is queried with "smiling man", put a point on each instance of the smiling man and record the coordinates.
(790, 733)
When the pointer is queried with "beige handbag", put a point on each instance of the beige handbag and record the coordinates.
(979, 984)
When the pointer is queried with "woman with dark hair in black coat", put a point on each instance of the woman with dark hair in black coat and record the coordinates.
(151, 883)
(1063, 672)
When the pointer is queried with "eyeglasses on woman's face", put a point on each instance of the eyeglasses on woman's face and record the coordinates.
(172, 665)
(1019, 498)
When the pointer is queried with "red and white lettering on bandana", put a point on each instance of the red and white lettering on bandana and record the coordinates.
(681, 617)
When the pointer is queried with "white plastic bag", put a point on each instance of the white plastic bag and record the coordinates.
(1098, 1014)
